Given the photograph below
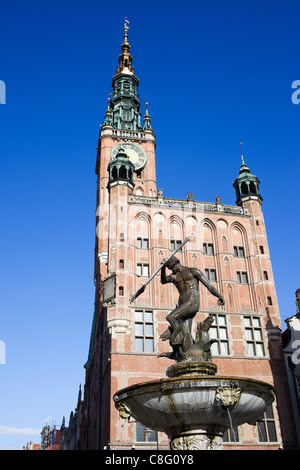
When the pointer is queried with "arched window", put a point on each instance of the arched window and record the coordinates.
(244, 188)
(252, 188)
(123, 172)
(114, 173)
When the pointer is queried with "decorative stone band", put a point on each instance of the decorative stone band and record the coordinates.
(160, 201)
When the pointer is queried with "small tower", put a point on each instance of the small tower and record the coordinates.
(147, 120)
(121, 171)
(108, 117)
(246, 185)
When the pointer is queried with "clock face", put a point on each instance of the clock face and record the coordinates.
(136, 154)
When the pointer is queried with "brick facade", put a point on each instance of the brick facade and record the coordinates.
(135, 230)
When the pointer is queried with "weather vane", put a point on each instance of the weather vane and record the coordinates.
(126, 24)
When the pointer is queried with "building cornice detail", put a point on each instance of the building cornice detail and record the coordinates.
(127, 134)
(162, 202)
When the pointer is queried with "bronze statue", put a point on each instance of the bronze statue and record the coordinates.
(180, 319)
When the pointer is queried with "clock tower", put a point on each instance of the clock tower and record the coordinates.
(122, 128)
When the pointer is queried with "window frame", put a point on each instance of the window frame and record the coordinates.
(175, 244)
(207, 247)
(251, 338)
(217, 325)
(142, 243)
(265, 422)
(143, 337)
(239, 251)
(209, 271)
(140, 269)
(152, 438)
(242, 276)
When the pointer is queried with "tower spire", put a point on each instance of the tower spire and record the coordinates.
(244, 168)
(125, 100)
(147, 120)
(125, 59)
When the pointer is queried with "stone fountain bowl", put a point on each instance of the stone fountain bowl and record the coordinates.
(184, 404)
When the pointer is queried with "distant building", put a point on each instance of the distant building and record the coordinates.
(50, 438)
(72, 437)
(31, 446)
(291, 350)
(137, 226)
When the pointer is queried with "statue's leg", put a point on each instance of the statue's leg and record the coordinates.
(177, 319)
(174, 326)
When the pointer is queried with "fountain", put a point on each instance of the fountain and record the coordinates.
(192, 405)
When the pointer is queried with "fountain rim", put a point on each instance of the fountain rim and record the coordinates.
(168, 384)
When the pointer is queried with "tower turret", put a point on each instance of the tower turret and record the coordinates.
(246, 185)
(121, 170)
(147, 120)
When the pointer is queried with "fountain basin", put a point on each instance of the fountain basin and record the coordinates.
(195, 404)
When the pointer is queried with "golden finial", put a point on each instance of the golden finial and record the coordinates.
(126, 27)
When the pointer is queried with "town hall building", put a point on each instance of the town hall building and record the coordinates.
(137, 227)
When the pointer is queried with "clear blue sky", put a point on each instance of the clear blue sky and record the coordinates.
(215, 72)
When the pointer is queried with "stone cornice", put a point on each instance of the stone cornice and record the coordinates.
(165, 203)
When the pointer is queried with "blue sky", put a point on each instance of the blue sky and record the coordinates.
(215, 72)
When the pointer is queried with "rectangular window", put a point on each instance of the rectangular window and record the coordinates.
(266, 277)
(242, 277)
(142, 269)
(266, 426)
(231, 435)
(208, 249)
(211, 275)
(174, 244)
(121, 290)
(144, 331)
(218, 331)
(145, 435)
(142, 243)
(254, 336)
(239, 251)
